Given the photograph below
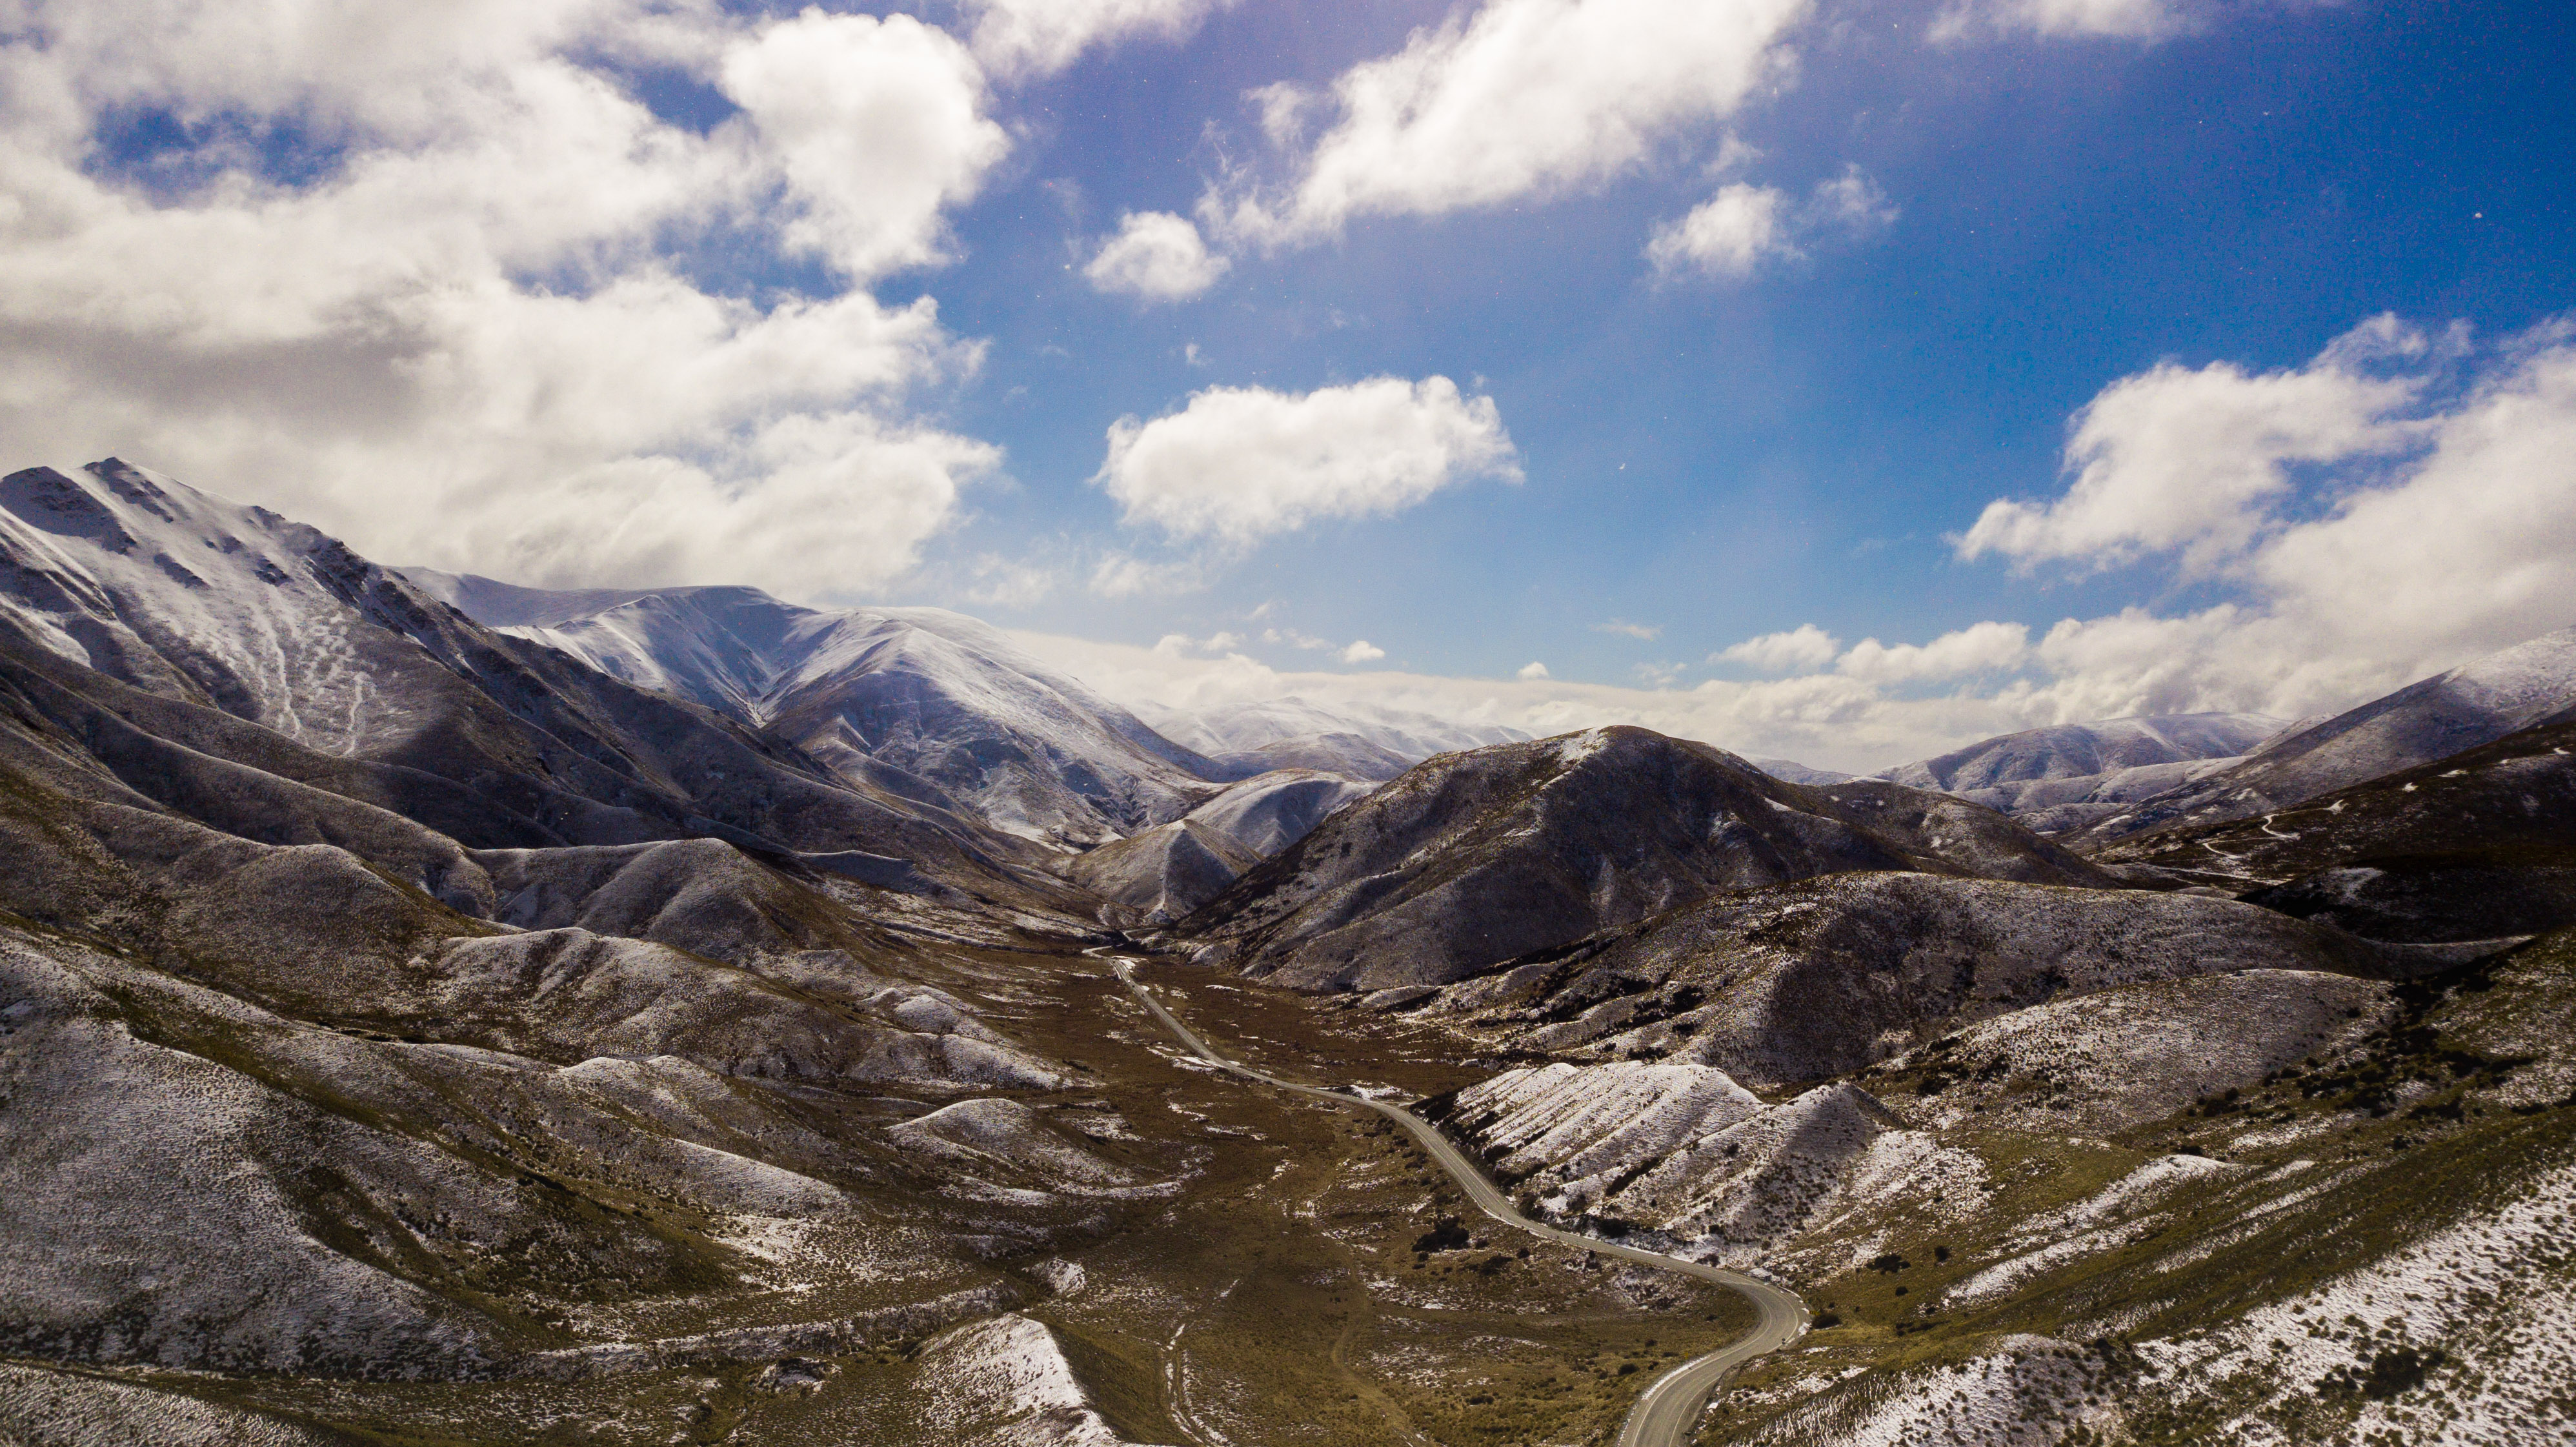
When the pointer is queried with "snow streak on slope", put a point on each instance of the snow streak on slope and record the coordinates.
(939, 698)
(2475, 704)
(167, 588)
(2063, 778)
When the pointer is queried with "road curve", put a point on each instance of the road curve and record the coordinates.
(1672, 1404)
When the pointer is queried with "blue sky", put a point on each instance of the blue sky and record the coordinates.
(1795, 446)
(640, 292)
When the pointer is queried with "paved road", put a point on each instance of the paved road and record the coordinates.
(1672, 1404)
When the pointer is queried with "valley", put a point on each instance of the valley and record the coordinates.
(438, 1012)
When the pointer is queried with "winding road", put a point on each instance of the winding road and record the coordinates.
(1672, 1404)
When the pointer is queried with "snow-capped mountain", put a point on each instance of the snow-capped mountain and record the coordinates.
(129, 595)
(2066, 777)
(2477, 703)
(1798, 773)
(1362, 740)
(941, 699)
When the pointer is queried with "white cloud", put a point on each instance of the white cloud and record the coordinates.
(2147, 20)
(1041, 37)
(1362, 651)
(1979, 648)
(1156, 256)
(1803, 649)
(2395, 567)
(1531, 671)
(1732, 234)
(1851, 202)
(369, 347)
(878, 126)
(1526, 98)
(2194, 461)
(1239, 463)
(2436, 522)
(1728, 235)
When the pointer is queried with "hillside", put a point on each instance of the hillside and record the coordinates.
(2061, 779)
(1475, 858)
(2478, 703)
(911, 699)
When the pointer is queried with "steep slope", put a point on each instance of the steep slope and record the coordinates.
(2064, 778)
(1802, 981)
(2477, 845)
(2478, 703)
(192, 639)
(1475, 858)
(2354, 1233)
(274, 1108)
(915, 700)
(1167, 871)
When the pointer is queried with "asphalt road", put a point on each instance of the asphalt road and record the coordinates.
(1673, 1402)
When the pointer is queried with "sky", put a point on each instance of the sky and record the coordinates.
(1840, 381)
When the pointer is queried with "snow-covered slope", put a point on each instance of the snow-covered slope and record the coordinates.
(233, 639)
(2090, 750)
(935, 696)
(1798, 773)
(2477, 703)
(2064, 778)
(1169, 870)
(1358, 739)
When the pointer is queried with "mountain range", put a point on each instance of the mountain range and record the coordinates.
(439, 1010)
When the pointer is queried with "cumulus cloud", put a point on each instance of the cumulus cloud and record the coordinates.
(1851, 202)
(1362, 651)
(878, 126)
(1156, 256)
(365, 342)
(1240, 463)
(1980, 648)
(2194, 461)
(1525, 98)
(1531, 670)
(2432, 518)
(2380, 566)
(1732, 234)
(1803, 649)
(1727, 235)
(1022, 38)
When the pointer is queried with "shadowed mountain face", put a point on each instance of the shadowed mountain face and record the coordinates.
(2528, 684)
(2478, 845)
(1471, 859)
(1802, 981)
(919, 701)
